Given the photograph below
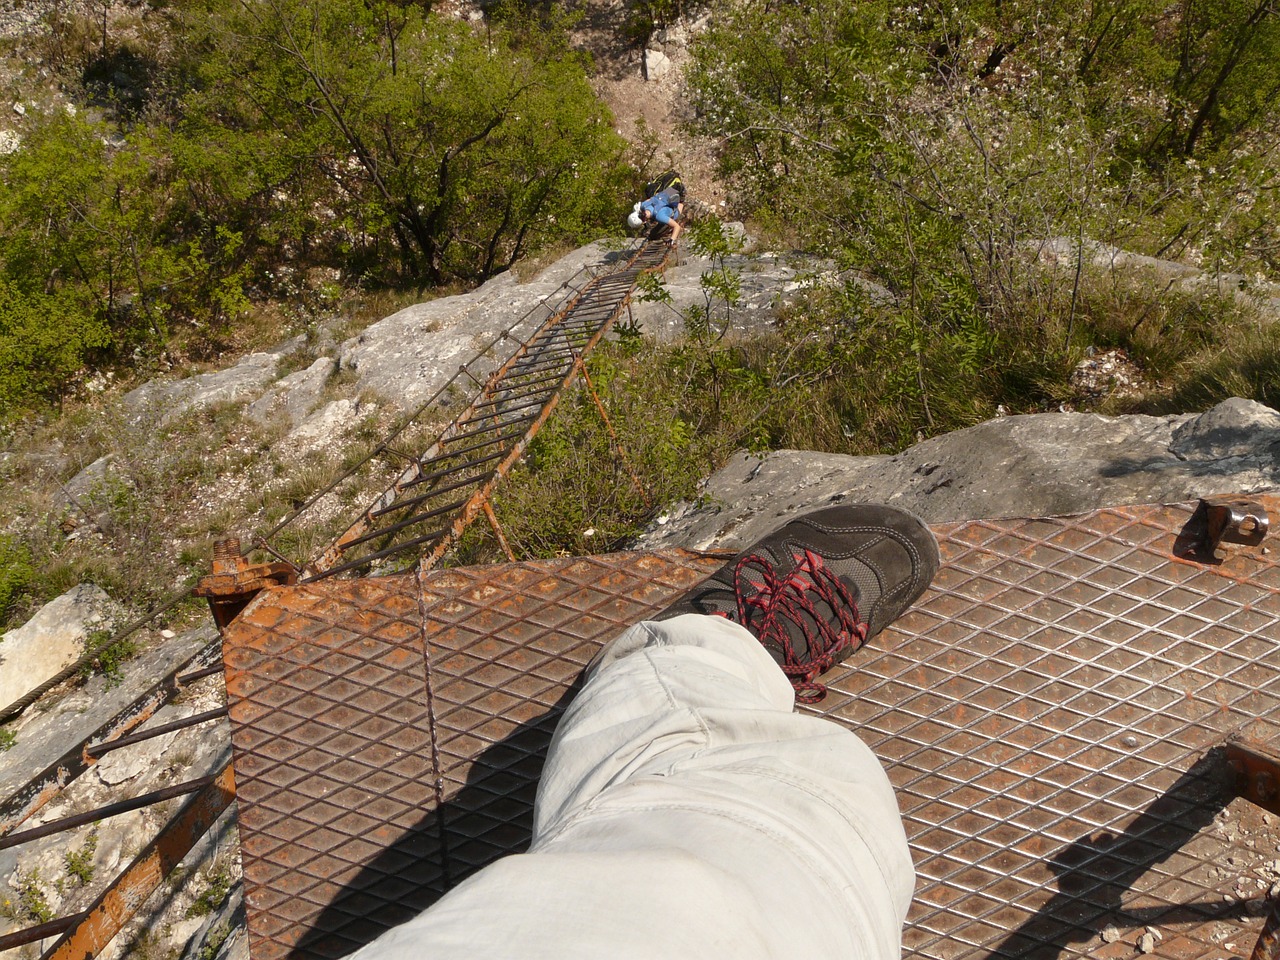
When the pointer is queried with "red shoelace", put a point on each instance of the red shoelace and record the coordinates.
(768, 608)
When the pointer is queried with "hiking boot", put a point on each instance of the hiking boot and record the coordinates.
(817, 588)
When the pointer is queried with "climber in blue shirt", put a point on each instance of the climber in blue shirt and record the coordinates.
(665, 204)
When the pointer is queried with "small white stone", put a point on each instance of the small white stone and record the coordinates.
(1146, 943)
(167, 634)
(1110, 934)
(656, 64)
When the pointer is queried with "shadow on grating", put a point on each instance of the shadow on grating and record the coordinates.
(1048, 713)
(389, 732)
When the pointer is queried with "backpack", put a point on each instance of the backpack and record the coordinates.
(668, 181)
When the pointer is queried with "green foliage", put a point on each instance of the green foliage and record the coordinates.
(721, 284)
(7, 740)
(574, 491)
(216, 883)
(79, 863)
(109, 658)
(213, 943)
(936, 141)
(97, 255)
(401, 147)
(414, 138)
(963, 155)
(16, 574)
(31, 905)
(44, 342)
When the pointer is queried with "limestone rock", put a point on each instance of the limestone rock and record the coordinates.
(49, 641)
(1038, 465)
(1234, 428)
(1163, 274)
(768, 282)
(656, 64)
(87, 481)
(169, 399)
(325, 427)
(407, 357)
(295, 395)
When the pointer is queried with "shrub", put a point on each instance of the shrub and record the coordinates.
(44, 342)
(16, 574)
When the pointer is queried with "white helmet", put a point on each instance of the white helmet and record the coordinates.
(633, 220)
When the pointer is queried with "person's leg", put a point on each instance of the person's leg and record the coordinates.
(685, 808)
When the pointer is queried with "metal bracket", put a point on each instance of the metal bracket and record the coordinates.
(234, 581)
(1257, 769)
(1232, 520)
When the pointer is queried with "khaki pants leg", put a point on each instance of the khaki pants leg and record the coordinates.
(686, 810)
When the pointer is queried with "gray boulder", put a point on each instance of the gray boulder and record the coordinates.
(767, 282)
(296, 395)
(1163, 275)
(49, 641)
(87, 481)
(1038, 465)
(409, 356)
(170, 399)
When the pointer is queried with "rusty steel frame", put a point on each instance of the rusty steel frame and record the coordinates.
(96, 927)
(492, 433)
(46, 785)
(565, 338)
(129, 890)
(1257, 765)
(79, 759)
(997, 706)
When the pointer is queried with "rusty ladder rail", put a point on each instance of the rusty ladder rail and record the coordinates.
(445, 488)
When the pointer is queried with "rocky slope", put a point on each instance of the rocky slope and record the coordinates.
(1046, 464)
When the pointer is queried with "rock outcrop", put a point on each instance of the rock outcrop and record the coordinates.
(1038, 465)
(243, 382)
(410, 355)
(50, 641)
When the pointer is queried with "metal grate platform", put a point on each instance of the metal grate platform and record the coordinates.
(356, 811)
(1048, 715)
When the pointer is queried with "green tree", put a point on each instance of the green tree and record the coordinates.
(97, 252)
(466, 150)
(44, 342)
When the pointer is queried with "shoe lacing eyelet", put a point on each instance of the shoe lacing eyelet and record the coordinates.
(766, 608)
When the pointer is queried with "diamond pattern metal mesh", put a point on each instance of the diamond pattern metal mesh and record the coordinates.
(1047, 713)
(356, 811)
(1047, 716)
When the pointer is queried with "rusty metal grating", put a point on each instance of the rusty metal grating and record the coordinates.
(1043, 714)
(355, 811)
